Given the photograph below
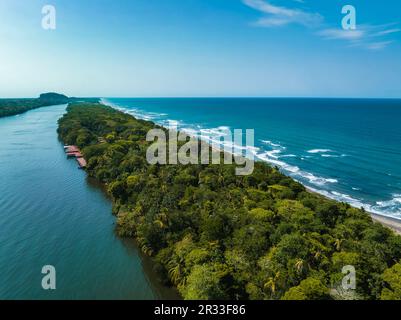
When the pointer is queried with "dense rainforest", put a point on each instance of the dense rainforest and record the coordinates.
(215, 235)
(11, 107)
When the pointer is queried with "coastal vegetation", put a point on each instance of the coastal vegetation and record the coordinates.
(215, 235)
(11, 107)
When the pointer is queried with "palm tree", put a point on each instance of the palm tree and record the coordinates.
(271, 282)
(160, 223)
(176, 272)
(146, 249)
(162, 219)
(299, 265)
(338, 243)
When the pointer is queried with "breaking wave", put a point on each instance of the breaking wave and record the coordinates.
(273, 153)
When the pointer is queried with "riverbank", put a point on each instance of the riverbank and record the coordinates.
(215, 235)
(12, 107)
(51, 213)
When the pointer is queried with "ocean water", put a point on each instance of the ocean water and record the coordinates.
(52, 214)
(345, 149)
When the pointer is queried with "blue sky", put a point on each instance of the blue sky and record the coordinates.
(148, 48)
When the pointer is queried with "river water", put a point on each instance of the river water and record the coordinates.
(52, 214)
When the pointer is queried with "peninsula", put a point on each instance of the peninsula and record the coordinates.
(215, 235)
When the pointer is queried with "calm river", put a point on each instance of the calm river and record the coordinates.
(52, 214)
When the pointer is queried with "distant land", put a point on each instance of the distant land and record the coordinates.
(11, 107)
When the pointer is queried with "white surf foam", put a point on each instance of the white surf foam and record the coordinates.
(294, 171)
(391, 208)
(272, 144)
(338, 196)
(288, 156)
(137, 113)
(319, 151)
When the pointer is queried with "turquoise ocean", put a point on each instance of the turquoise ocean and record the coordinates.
(345, 149)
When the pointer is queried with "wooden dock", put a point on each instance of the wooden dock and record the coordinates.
(73, 151)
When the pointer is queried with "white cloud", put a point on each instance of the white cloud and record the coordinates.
(378, 45)
(385, 32)
(372, 37)
(342, 34)
(280, 16)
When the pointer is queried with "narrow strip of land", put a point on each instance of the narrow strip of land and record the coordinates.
(216, 235)
(12, 107)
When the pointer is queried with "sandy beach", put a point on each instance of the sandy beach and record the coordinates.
(392, 223)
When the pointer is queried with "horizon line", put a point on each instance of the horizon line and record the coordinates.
(216, 97)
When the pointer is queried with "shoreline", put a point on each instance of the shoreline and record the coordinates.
(78, 218)
(154, 229)
(392, 223)
(389, 222)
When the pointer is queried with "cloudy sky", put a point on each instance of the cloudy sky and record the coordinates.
(147, 48)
